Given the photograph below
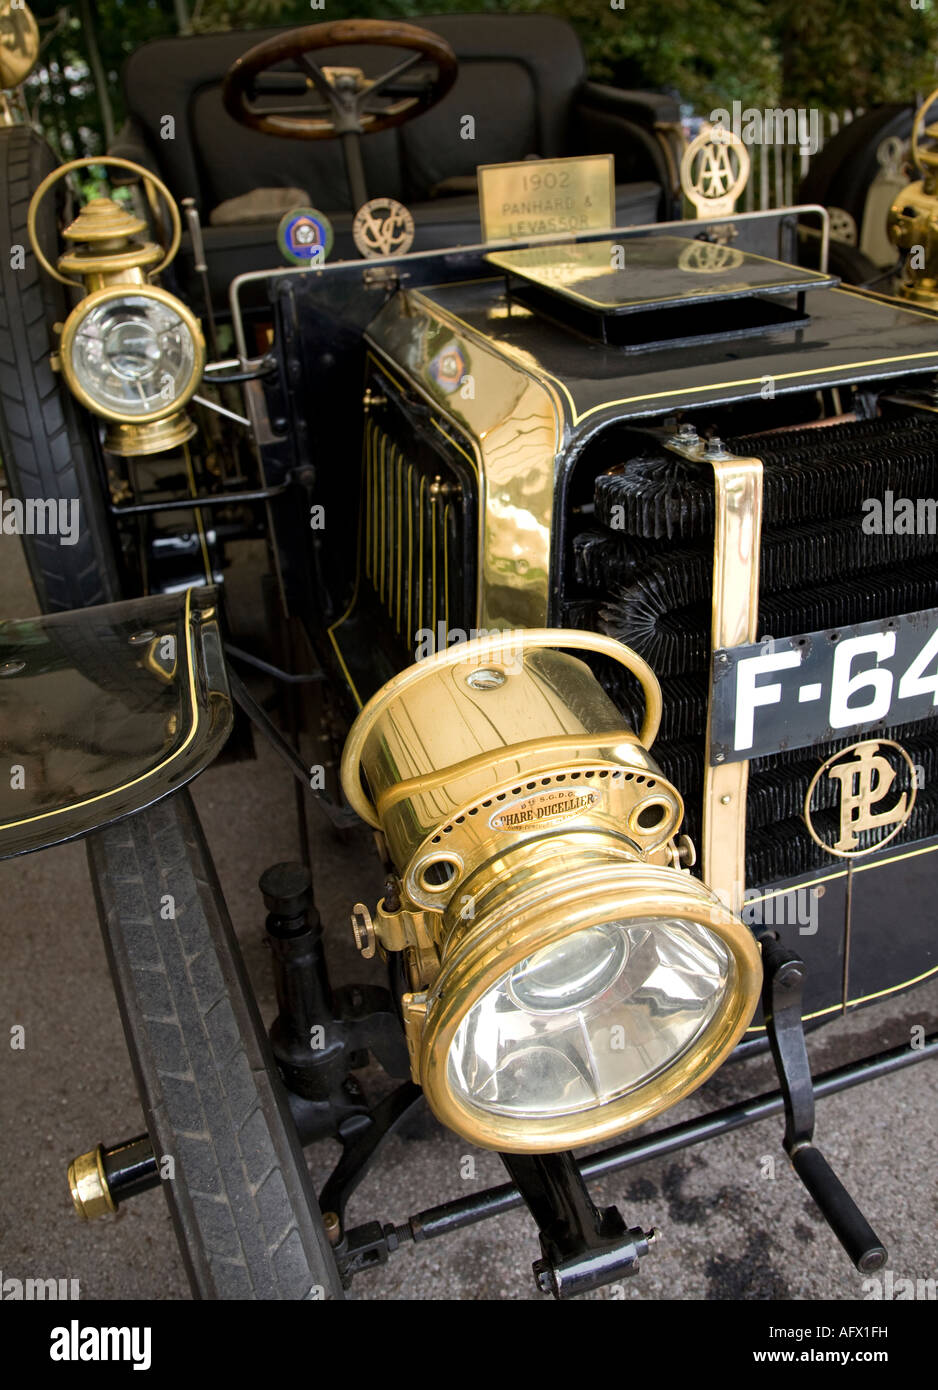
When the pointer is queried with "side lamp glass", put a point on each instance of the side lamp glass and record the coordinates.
(132, 353)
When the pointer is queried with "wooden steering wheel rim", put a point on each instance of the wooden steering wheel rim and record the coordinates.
(337, 33)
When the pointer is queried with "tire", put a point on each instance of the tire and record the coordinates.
(841, 174)
(46, 442)
(241, 1198)
(851, 265)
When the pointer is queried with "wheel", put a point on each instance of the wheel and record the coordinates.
(841, 174)
(843, 178)
(46, 442)
(851, 265)
(239, 1191)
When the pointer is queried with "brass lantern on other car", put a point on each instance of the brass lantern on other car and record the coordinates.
(913, 217)
(569, 978)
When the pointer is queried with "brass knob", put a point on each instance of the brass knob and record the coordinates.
(88, 1185)
(363, 930)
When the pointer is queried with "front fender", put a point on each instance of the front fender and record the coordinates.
(104, 711)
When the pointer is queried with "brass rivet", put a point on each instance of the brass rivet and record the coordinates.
(489, 678)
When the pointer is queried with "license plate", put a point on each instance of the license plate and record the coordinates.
(791, 692)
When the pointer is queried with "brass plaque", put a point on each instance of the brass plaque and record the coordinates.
(541, 197)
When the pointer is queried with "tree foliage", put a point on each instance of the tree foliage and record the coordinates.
(853, 54)
(833, 54)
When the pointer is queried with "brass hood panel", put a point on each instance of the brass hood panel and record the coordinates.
(511, 424)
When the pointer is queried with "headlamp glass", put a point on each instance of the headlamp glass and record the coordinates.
(590, 1018)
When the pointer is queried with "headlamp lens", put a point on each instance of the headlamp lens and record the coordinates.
(572, 973)
(585, 1021)
(133, 355)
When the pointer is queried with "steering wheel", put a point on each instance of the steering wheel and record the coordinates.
(354, 104)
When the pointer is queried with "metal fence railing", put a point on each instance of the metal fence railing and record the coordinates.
(778, 169)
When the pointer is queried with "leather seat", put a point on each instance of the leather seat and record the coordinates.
(521, 77)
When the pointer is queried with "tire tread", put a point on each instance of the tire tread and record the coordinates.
(241, 1199)
(44, 440)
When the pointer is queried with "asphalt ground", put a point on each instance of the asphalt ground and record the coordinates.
(735, 1221)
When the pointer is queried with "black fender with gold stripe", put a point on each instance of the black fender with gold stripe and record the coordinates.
(105, 710)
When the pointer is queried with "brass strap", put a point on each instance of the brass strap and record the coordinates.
(735, 616)
(554, 744)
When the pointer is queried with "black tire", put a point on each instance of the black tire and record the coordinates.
(241, 1198)
(851, 265)
(46, 444)
(841, 174)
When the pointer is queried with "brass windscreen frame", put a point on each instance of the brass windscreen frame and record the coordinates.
(737, 536)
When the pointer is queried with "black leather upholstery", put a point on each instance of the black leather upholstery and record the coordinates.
(521, 78)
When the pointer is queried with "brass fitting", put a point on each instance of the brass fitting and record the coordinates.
(913, 218)
(89, 1186)
(105, 249)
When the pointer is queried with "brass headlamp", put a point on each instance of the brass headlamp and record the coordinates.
(568, 977)
(130, 351)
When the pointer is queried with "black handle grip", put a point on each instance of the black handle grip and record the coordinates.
(840, 1211)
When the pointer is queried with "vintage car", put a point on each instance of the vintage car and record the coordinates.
(588, 553)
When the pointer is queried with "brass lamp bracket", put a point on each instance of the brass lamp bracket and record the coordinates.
(399, 927)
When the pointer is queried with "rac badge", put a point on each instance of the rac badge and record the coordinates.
(383, 227)
(860, 781)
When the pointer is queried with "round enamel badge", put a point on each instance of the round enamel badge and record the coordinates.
(304, 236)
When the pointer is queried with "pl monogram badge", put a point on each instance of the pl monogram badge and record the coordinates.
(714, 171)
(863, 778)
